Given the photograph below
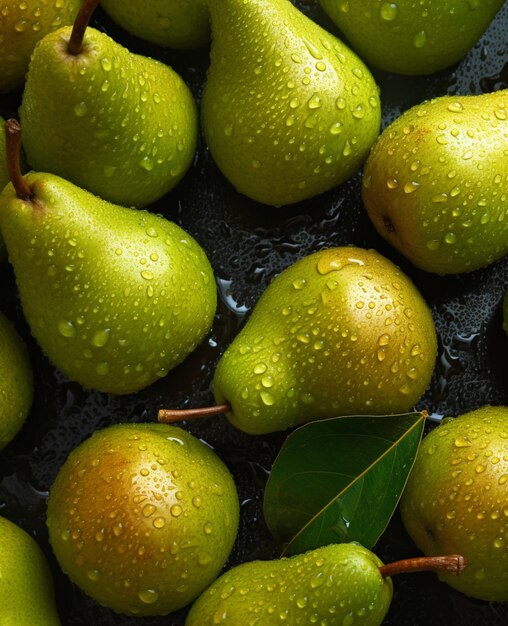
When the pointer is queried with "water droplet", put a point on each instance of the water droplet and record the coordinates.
(66, 328)
(148, 596)
(388, 11)
(176, 510)
(81, 109)
(420, 39)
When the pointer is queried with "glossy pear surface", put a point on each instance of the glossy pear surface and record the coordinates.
(412, 36)
(26, 586)
(338, 584)
(434, 184)
(456, 499)
(120, 125)
(116, 297)
(341, 332)
(288, 111)
(181, 24)
(22, 25)
(16, 382)
(142, 517)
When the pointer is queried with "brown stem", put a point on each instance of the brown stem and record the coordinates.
(168, 416)
(13, 148)
(453, 563)
(81, 22)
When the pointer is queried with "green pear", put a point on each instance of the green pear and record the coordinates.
(4, 177)
(22, 25)
(412, 36)
(142, 517)
(179, 24)
(120, 125)
(457, 495)
(288, 111)
(26, 586)
(342, 331)
(16, 382)
(116, 297)
(337, 584)
(434, 184)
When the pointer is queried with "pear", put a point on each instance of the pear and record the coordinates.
(288, 111)
(339, 584)
(4, 177)
(179, 24)
(26, 586)
(116, 297)
(456, 499)
(142, 517)
(16, 382)
(410, 36)
(120, 125)
(22, 25)
(341, 332)
(434, 184)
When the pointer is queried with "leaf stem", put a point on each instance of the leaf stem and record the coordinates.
(12, 130)
(169, 416)
(453, 563)
(81, 22)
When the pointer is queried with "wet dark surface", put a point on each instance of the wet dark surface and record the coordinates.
(248, 244)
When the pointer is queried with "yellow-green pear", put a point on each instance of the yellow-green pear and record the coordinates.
(337, 585)
(412, 36)
(456, 499)
(22, 25)
(434, 184)
(117, 124)
(116, 297)
(142, 517)
(16, 382)
(26, 586)
(4, 176)
(342, 331)
(288, 111)
(181, 24)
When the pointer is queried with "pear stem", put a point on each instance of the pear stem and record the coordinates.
(169, 416)
(453, 563)
(81, 22)
(13, 149)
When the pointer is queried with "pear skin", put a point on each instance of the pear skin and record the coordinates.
(339, 584)
(142, 517)
(456, 498)
(16, 382)
(288, 111)
(26, 586)
(410, 36)
(341, 332)
(23, 24)
(181, 24)
(434, 184)
(115, 297)
(120, 125)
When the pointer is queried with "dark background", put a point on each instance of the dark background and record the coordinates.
(248, 244)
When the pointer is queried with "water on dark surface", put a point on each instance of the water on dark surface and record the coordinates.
(248, 244)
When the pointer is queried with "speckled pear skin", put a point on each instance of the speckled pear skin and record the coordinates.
(341, 332)
(456, 499)
(435, 182)
(22, 25)
(26, 586)
(337, 584)
(16, 382)
(412, 36)
(115, 123)
(142, 517)
(288, 111)
(181, 24)
(116, 297)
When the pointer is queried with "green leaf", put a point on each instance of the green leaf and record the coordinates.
(340, 479)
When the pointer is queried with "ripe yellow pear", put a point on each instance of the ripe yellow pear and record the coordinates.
(456, 499)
